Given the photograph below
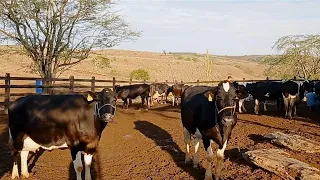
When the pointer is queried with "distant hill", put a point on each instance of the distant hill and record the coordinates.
(173, 66)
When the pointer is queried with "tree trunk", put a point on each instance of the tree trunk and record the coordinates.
(48, 74)
(280, 163)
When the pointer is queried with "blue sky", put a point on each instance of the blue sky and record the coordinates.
(222, 27)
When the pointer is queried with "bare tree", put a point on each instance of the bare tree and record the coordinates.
(57, 34)
(300, 56)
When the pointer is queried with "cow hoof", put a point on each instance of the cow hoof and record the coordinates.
(196, 166)
(15, 175)
(187, 160)
(208, 178)
(25, 175)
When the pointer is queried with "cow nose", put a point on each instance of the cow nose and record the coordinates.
(228, 119)
(108, 116)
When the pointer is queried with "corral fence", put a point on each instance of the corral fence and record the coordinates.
(14, 87)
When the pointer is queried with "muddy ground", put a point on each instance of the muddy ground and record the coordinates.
(149, 145)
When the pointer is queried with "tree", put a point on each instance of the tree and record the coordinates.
(300, 56)
(101, 62)
(140, 74)
(58, 34)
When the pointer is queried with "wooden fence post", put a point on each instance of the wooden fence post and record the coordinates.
(130, 82)
(198, 82)
(114, 83)
(93, 84)
(71, 79)
(7, 93)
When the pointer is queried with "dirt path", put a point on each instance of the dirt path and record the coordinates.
(149, 145)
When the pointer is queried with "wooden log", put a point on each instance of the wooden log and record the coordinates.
(279, 162)
(294, 142)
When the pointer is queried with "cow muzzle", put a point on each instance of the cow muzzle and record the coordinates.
(107, 117)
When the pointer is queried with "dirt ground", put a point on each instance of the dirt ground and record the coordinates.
(149, 145)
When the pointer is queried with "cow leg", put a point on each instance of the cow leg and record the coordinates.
(24, 164)
(187, 140)
(209, 156)
(77, 162)
(265, 105)
(220, 157)
(173, 98)
(291, 106)
(196, 148)
(143, 101)
(124, 102)
(256, 106)
(286, 105)
(294, 110)
(240, 105)
(87, 161)
(15, 172)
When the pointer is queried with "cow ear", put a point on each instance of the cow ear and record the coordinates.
(209, 95)
(90, 96)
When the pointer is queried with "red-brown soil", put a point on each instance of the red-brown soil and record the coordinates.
(149, 145)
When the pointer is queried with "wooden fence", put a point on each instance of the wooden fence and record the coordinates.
(71, 85)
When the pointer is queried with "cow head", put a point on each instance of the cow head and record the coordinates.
(225, 99)
(105, 104)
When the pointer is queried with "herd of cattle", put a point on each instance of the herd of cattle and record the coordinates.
(76, 121)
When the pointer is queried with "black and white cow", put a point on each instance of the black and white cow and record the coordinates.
(244, 96)
(130, 92)
(50, 122)
(208, 113)
(290, 92)
(158, 90)
(263, 91)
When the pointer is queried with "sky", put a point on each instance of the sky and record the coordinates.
(223, 27)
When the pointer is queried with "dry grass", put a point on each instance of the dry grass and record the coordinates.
(161, 67)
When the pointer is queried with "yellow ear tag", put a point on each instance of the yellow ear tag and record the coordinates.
(210, 98)
(89, 98)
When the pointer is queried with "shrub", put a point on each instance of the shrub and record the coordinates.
(140, 74)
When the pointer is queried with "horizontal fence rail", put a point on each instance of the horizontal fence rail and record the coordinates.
(49, 85)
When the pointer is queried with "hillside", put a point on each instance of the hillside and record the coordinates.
(186, 67)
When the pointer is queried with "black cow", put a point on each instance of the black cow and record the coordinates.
(156, 90)
(317, 88)
(263, 91)
(208, 113)
(132, 92)
(59, 121)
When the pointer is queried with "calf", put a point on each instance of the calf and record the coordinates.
(132, 92)
(75, 122)
(158, 89)
(208, 113)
